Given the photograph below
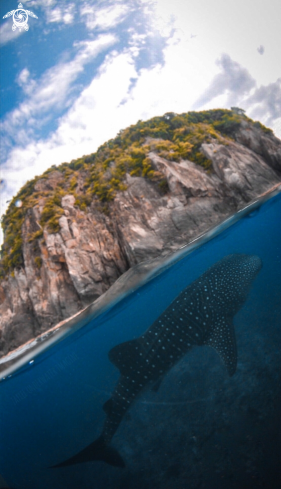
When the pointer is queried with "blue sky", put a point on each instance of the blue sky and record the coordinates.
(86, 69)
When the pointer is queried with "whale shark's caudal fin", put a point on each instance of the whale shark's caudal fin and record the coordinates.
(97, 450)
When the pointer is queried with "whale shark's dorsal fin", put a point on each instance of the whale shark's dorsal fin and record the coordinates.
(126, 356)
(222, 339)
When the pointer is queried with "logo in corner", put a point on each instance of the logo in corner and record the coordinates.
(20, 17)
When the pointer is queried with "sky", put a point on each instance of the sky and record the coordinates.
(86, 69)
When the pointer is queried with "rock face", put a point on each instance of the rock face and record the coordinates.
(92, 249)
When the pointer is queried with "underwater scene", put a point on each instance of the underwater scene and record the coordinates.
(172, 383)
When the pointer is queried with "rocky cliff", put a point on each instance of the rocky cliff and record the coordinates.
(72, 232)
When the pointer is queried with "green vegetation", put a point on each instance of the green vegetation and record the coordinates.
(52, 210)
(38, 261)
(36, 235)
(172, 136)
(266, 130)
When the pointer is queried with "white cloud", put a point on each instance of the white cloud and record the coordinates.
(277, 127)
(56, 11)
(265, 103)
(175, 85)
(53, 89)
(23, 77)
(43, 3)
(105, 18)
(233, 80)
(62, 13)
(235, 27)
(54, 15)
(68, 17)
(234, 86)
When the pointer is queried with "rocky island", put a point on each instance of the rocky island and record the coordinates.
(71, 232)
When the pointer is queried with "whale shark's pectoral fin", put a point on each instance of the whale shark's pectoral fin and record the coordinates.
(126, 356)
(222, 339)
(97, 450)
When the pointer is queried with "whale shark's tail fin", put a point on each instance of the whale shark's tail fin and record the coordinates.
(97, 450)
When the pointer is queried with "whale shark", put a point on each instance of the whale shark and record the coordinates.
(202, 314)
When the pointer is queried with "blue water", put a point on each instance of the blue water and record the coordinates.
(202, 429)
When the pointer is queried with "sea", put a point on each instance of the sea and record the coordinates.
(202, 429)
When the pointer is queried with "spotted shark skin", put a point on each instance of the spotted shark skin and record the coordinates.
(202, 314)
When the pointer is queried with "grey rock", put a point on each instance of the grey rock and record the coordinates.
(265, 144)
